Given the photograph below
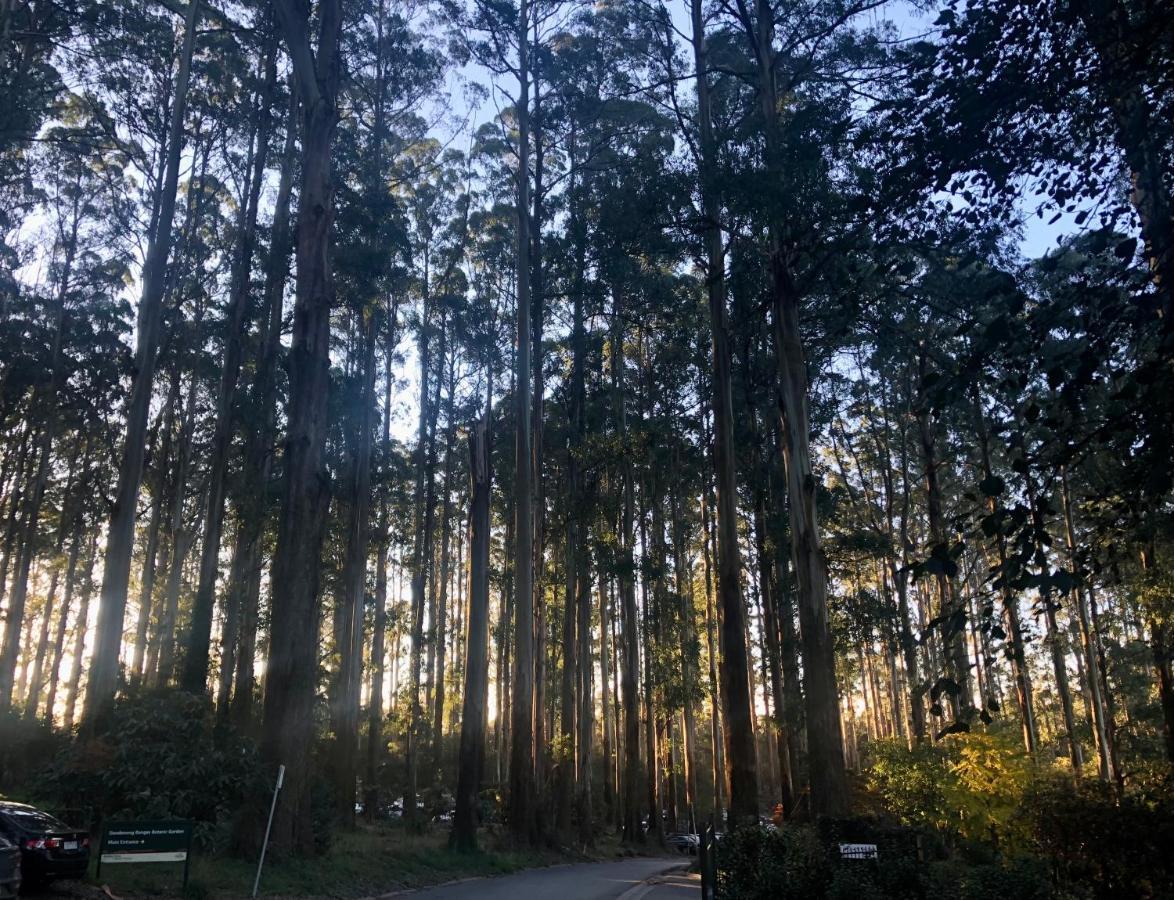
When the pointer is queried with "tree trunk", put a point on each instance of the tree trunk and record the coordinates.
(104, 669)
(350, 645)
(739, 735)
(521, 789)
(292, 670)
(194, 675)
(472, 747)
(631, 831)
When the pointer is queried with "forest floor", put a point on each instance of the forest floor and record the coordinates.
(363, 865)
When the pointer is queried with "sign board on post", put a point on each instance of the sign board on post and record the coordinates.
(858, 851)
(147, 842)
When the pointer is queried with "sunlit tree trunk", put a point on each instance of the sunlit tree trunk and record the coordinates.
(103, 679)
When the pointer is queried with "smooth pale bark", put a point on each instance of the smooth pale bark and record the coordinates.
(292, 670)
(194, 675)
(471, 759)
(739, 735)
(521, 812)
(104, 670)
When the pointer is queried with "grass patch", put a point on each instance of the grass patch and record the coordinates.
(366, 862)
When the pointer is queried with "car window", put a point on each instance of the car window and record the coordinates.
(34, 820)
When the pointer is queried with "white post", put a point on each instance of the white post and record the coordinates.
(268, 826)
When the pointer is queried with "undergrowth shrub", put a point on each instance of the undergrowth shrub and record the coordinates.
(163, 756)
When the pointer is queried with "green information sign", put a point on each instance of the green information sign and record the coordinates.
(146, 842)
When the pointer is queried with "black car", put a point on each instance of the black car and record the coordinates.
(48, 847)
(9, 869)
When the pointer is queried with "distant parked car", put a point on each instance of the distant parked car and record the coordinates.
(9, 869)
(685, 843)
(49, 848)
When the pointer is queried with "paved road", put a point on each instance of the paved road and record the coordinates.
(586, 881)
(675, 886)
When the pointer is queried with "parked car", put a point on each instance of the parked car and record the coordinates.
(9, 869)
(685, 843)
(49, 848)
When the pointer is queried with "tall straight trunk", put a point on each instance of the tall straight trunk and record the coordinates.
(244, 585)
(350, 648)
(1091, 663)
(194, 675)
(155, 522)
(471, 757)
(63, 621)
(103, 680)
(770, 622)
(163, 655)
(1019, 670)
(586, 706)
(292, 669)
(1055, 640)
(950, 607)
(716, 738)
(521, 789)
(45, 403)
(1163, 659)
(739, 735)
(631, 830)
(375, 749)
(688, 641)
(65, 520)
(608, 740)
(829, 790)
(79, 633)
(441, 629)
(418, 571)
(573, 620)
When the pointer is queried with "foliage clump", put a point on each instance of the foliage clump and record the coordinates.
(164, 756)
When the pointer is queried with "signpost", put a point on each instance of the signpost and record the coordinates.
(147, 842)
(858, 851)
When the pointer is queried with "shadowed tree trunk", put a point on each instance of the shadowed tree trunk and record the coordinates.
(472, 748)
(292, 670)
(522, 818)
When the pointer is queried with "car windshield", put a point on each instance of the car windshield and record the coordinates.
(33, 820)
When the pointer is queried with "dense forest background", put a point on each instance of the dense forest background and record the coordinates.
(595, 417)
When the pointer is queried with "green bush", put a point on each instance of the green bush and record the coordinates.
(803, 862)
(765, 864)
(1112, 848)
(25, 744)
(163, 756)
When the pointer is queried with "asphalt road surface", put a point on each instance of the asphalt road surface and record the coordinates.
(628, 878)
